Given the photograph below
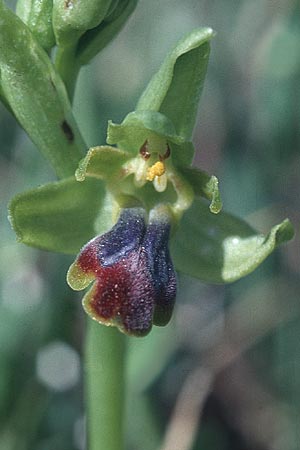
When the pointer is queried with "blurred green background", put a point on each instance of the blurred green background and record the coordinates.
(225, 374)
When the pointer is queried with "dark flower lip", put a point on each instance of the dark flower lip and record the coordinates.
(123, 295)
(135, 283)
(123, 238)
(155, 244)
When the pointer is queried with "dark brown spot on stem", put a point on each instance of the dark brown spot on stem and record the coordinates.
(68, 132)
(52, 84)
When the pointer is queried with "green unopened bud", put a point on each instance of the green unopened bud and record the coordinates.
(83, 29)
(37, 14)
(71, 19)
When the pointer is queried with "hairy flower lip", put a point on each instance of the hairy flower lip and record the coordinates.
(135, 282)
(122, 297)
(161, 267)
(123, 238)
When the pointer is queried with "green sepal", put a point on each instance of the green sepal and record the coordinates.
(176, 88)
(93, 41)
(222, 248)
(139, 126)
(37, 96)
(59, 216)
(38, 17)
(101, 162)
(204, 185)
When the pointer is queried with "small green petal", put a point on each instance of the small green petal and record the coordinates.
(206, 186)
(60, 216)
(176, 88)
(139, 126)
(101, 162)
(222, 248)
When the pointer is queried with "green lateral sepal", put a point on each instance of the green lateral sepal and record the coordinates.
(59, 217)
(222, 248)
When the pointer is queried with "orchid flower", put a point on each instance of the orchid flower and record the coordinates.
(136, 210)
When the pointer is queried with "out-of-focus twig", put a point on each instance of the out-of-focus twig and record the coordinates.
(259, 312)
(188, 409)
(250, 408)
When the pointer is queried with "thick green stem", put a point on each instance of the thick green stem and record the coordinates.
(68, 68)
(104, 365)
(104, 383)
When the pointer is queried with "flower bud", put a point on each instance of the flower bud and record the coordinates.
(71, 19)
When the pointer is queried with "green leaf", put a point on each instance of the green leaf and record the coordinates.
(93, 41)
(37, 96)
(176, 88)
(204, 185)
(139, 126)
(222, 248)
(58, 216)
(101, 162)
(38, 17)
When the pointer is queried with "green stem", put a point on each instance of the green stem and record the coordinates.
(105, 356)
(104, 374)
(68, 68)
